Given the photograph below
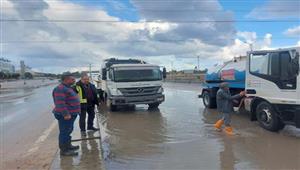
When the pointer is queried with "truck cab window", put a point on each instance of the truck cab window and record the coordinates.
(110, 74)
(276, 67)
(259, 64)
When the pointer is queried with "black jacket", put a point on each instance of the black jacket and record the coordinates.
(94, 91)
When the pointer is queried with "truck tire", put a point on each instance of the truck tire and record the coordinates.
(267, 117)
(111, 106)
(153, 105)
(208, 101)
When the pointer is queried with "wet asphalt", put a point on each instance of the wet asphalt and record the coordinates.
(27, 129)
(178, 135)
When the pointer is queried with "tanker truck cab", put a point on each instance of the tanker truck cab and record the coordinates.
(131, 82)
(273, 87)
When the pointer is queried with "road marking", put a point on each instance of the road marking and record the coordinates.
(41, 139)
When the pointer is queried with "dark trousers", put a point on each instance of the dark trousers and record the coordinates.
(90, 110)
(65, 130)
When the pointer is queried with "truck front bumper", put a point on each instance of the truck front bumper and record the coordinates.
(124, 100)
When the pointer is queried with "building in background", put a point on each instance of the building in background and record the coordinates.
(6, 66)
(25, 71)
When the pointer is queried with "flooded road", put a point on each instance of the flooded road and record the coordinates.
(27, 126)
(180, 135)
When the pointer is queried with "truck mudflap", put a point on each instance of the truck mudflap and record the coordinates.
(121, 100)
(247, 103)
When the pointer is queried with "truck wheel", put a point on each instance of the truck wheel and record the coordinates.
(267, 117)
(208, 101)
(153, 105)
(111, 106)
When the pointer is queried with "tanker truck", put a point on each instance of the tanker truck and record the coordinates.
(271, 81)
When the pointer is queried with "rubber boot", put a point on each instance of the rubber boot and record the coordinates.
(229, 130)
(65, 151)
(219, 124)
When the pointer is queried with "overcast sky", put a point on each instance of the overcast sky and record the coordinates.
(56, 35)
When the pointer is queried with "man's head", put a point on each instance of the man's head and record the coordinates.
(224, 86)
(85, 79)
(68, 79)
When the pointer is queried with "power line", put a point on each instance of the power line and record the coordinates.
(147, 10)
(145, 1)
(127, 41)
(147, 21)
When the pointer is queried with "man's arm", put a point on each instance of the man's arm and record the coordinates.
(227, 96)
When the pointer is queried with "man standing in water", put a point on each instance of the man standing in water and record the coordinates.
(67, 107)
(87, 93)
(225, 106)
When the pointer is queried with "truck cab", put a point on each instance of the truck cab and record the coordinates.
(130, 82)
(273, 87)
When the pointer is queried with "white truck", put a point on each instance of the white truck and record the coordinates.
(273, 87)
(130, 82)
(272, 83)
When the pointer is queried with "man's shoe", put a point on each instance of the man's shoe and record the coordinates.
(72, 147)
(68, 153)
(218, 125)
(229, 130)
(93, 128)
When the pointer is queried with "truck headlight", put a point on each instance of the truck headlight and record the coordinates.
(160, 90)
(115, 92)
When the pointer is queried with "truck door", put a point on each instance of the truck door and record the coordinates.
(272, 76)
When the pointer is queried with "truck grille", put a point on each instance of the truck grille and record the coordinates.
(139, 91)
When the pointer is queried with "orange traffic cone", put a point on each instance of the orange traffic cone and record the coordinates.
(219, 124)
(229, 130)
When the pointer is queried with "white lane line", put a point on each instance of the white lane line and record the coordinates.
(41, 139)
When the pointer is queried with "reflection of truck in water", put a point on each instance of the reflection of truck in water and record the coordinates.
(130, 82)
(272, 83)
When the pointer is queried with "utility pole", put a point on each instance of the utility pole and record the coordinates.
(198, 62)
(172, 73)
(251, 46)
(90, 70)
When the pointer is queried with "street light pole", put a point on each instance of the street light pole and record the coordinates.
(90, 69)
(198, 62)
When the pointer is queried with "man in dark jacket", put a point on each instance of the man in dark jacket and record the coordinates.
(88, 99)
(225, 106)
(67, 107)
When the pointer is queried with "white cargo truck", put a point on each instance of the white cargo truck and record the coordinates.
(130, 82)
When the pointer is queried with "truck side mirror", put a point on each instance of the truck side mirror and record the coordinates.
(104, 74)
(164, 73)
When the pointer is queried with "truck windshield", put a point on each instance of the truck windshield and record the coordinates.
(137, 75)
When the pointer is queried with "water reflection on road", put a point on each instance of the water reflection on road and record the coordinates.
(180, 135)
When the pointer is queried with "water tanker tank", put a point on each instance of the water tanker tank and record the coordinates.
(232, 72)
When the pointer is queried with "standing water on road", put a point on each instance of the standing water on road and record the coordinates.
(180, 135)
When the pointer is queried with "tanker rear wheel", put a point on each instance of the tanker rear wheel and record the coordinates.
(208, 100)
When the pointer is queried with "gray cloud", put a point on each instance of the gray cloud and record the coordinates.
(188, 15)
(276, 9)
(57, 46)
